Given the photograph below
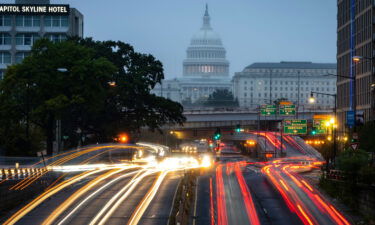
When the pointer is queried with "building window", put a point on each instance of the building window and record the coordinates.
(56, 21)
(5, 39)
(5, 20)
(20, 56)
(56, 37)
(26, 39)
(5, 58)
(27, 21)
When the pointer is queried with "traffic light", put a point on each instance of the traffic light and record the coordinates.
(123, 138)
(238, 128)
(313, 131)
(217, 134)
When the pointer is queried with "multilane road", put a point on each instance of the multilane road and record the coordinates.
(236, 190)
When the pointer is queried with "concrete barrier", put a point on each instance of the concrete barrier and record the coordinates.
(20, 173)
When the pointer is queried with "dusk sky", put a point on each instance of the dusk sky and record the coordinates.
(251, 30)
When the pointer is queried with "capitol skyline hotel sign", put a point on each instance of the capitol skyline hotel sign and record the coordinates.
(16, 9)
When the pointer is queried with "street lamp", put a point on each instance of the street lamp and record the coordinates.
(312, 99)
(58, 121)
(331, 122)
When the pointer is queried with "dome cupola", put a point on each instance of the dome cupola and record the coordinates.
(206, 54)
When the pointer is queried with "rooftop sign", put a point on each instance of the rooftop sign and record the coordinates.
(17, 9)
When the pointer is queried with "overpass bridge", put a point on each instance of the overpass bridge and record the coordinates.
(212, 118)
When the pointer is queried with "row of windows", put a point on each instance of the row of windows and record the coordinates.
(206, 42)
(34, 21)
(302, 95)
(293, 82)
(6, 58)
(296, 89)
(29, 38)
(266, 101)
(205, 69)
(293, 71)
(206, 55)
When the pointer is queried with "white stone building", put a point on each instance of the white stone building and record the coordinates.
(205, 68)
(262, 83)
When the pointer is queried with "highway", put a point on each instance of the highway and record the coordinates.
(94, 187)
(140, 192)
(249, 192)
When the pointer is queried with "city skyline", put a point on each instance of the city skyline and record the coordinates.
(164, 29)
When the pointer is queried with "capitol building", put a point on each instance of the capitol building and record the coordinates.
(205, 68)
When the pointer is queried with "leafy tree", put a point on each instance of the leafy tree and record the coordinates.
(130, 105)
(35, 92)
(104, 90)
(366, 136)
(351, 162)
(221, 97)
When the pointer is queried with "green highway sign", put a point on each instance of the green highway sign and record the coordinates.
(319, 125)
(268, 110)
(287, 110)
(295, 126)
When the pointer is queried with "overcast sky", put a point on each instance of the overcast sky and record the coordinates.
(251, 30)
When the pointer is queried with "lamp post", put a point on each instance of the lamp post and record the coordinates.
(355, 92)
(298, 93)
(58, 121)
(313, 100)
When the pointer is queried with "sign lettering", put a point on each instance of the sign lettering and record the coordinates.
(34, 9)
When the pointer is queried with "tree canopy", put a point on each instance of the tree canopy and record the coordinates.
(99, 88)
(221, 98)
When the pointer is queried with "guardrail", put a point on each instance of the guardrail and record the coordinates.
(335, 175)
(20, 173)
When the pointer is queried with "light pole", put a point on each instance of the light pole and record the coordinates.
(298, 86)
(313, 100)
(58, 121)
(355, 93)
(270, 86)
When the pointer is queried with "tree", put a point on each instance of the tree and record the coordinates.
(35, 93)
(221, 97)
(366, 136)
(104, 91)
(351, 162)
(130, 106)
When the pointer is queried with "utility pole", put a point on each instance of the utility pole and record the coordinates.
(298, 91)
(270, 86)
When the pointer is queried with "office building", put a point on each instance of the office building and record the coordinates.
(20, 28)
(264, 83)
(355, 40)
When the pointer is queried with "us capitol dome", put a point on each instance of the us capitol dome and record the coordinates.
(206, 54)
